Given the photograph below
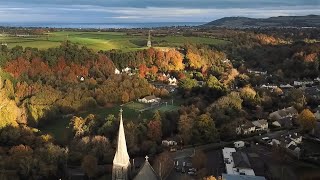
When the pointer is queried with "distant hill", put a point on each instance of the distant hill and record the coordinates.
(280, 21)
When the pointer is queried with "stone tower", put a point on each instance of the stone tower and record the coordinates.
(121, 161)
(149, 40)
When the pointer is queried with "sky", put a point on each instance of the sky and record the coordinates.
(124, 11)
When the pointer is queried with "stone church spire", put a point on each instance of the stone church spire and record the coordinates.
(121, 161)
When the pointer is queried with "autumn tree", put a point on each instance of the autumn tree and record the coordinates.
(90, 165)
(185, 126)
(249, 96)
(9, 112)
(307, 120)
(175, 60)
(109, 126)
(9, 89)
(132, 139)
(204, 128)
(82, 126)
(154, 128)
(143, 70)
(163, 164)
(209, 178)
(186, 123)
(125, 97)
(199, 160)
(297, 99)
(188, 83)
(153, 70)
(215, 84)
(194, 60)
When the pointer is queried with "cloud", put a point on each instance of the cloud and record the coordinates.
(101, 11)
(175, 3)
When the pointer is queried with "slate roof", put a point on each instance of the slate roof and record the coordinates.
(312, 91)
(241, 160)
(146, 172)
(260, 122)
(283, 113)
(286, 122)
(247, 125)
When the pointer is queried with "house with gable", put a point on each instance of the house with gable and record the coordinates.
(150, 99)
(260, 125)
(173, 81)
(286, 112)
(246, 128)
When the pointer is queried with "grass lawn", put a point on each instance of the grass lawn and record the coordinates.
(58, 129)
(167, 108)
(136, 106)
(103, 40)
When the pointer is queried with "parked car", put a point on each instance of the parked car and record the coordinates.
(192, 173)
(193, 169)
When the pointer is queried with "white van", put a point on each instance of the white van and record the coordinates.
(238, 144)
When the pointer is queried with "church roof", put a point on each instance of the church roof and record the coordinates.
(121, 157)
(146, 172)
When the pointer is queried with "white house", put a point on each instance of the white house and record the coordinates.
(150, 99)
(288, 139)
(261, 125)
(302, 83)
(296, 138)
(166, 75)
(269, 86)
(257, 72)
(116, 71)
(126, 70)
(173, 81)
(246, 128)
(169, 143)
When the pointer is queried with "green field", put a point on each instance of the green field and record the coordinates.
(59, 128)
(103, 40)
